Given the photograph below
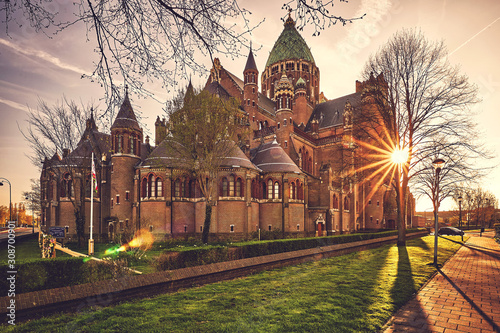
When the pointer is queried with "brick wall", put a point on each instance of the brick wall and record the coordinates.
(104, 293)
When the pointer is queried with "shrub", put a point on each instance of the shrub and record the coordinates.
(43, 274)
(192, 257)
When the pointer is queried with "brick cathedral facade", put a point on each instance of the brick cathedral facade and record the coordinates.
(288, 176)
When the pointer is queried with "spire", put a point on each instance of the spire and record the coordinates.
(90, 124)
(189, 91)
(250, 61)
(289, 21)
(126, 116)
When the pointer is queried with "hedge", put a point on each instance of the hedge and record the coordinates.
(194, 257)
(43, 274)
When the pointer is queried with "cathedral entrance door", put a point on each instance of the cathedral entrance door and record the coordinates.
(320, 229)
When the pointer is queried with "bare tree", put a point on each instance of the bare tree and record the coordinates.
(53, 129)
(200, 136)
(32, 197)
(53, 133)
(160, 41)
(319, 13)
(460, 167)
(426, 97)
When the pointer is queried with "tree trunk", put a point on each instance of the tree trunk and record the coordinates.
(206, 224)
(400, 198)
(80, 227)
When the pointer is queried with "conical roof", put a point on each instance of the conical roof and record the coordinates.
(250, 62)
(237, 159)
(270, 157)
(290, 45)
(166, 155)
(126, 116)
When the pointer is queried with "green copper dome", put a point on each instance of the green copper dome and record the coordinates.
(290, 45)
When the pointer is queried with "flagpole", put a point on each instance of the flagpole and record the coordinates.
(92, 200)
(91, 240)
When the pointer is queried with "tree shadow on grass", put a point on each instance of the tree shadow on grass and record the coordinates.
(404, 285)
(418, 242)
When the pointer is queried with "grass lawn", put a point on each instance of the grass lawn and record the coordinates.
(352, 293)
(27, 249)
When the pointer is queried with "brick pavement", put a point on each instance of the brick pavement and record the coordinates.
(464, 296)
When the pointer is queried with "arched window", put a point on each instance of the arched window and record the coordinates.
(159, 187)
(66, 186)
(277, 190)
(309, 165)
(132, 144)
(225, 186)
(254, 189)
(151, 186)
(144, 187)
(270, 189)
(177, 188)
(239, 188)
(335, 202)
(264, 190)
(231, 186)
(88, 185)
(63, 188)
(346, 204)
(183, 189)
(292, 190)
(120, 143)
(300, 191)
(192, 188)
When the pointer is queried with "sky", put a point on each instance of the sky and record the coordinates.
(35, 67)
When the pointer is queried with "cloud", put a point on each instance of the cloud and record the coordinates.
(13, 104)
(41, 55)
(378, 15)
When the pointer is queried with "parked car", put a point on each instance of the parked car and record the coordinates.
(450, 231)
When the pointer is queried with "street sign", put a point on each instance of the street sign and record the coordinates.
(57, 232)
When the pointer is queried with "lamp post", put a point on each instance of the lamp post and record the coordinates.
(438, 165)
(10, 196)
(460, 211)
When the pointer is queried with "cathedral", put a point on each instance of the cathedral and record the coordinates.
(291, 175)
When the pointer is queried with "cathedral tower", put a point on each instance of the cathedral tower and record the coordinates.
(292, 56)
(251, 90)
(126, 136)
(284, 114)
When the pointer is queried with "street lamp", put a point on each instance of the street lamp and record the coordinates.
(10, 196)
(438, 165)
(460, 211)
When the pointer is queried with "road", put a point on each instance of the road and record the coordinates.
(19, 232)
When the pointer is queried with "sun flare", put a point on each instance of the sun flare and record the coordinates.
(399, 156)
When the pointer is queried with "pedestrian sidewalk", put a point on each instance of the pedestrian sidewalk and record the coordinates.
(464, 296)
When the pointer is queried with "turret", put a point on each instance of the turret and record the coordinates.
(251, 91)
(126, 133)
(301, 111)
(284, 114)
(160, 130)
(126, 137)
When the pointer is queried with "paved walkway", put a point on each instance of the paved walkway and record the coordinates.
(464, 296)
